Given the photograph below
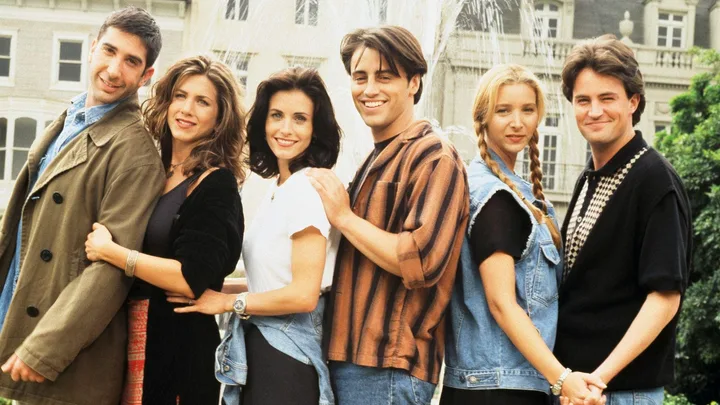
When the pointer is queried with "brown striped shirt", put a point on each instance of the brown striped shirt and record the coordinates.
(416, 188)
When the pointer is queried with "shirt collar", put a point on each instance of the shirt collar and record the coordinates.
(93, 114)
(621, 157)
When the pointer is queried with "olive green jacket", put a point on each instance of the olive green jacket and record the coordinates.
(67, 319)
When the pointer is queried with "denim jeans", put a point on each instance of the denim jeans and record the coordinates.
(639, 397)
(358, 385)
(636, 397)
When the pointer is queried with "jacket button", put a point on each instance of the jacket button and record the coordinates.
(472, 379)
(226, 368)
(33, 312)
(46, 255)
(58, 198)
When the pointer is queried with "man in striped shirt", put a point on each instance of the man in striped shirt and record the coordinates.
(402, 221)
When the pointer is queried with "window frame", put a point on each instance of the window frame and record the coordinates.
(232, 59)
(66, 85)
(237, 15)
(543, 17)
(670, 25)
(306, 20)
(6, 174)
(9, 81)
(550, 177)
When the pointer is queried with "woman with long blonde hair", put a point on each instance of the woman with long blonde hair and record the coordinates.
(503, 313)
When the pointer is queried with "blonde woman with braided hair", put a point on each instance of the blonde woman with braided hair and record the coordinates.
(503, 313)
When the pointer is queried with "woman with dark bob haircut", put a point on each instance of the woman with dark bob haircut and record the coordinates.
(289, 252)
(193, 239)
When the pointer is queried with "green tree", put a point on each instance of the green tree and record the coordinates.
(693, 147)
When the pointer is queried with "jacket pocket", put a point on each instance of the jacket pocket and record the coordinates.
(545, 288)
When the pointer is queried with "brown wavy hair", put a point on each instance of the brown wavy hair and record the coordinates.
(225, 147)
(606, 55)
(483, 108)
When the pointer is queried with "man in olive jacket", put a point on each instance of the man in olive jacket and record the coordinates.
(64, 335)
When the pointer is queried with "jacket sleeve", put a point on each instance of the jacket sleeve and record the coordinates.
(211, 235)
(433, 229)
(87, 304)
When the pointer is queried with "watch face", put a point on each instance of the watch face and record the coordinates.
(239, 305)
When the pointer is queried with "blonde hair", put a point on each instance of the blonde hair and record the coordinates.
(483, 108)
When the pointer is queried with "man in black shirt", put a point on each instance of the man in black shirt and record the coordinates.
(627, 234)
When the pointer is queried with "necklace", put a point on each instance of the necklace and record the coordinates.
(171, 170)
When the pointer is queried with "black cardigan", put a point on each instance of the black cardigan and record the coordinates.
(207, 232)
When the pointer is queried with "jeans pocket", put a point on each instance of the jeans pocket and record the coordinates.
(423, 391)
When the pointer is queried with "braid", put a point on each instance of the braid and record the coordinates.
(540, 216)
(536, 174)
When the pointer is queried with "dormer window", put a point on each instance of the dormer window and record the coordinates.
(671, 30)
(547, 19)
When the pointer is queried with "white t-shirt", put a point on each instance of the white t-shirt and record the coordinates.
(267, 247)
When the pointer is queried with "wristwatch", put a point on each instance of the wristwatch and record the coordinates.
(240, 305)
(557, 387)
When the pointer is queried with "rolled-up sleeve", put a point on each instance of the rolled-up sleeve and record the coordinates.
(434, 227)
(203, 245)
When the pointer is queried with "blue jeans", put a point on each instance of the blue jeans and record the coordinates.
(637, 397)
(358, 385)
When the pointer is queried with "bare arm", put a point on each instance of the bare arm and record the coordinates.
(301, 295)
(158, 271)
(498, 278)
(657, 311)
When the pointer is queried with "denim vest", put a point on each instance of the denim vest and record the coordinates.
(478, 354)
(297, 335)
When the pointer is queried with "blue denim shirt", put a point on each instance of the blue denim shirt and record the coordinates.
(297, 335)
(78, 118)
(478, 354)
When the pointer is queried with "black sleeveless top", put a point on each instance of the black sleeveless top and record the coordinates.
(157, 236)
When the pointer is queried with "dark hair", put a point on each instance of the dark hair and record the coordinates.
(325, 144)
(138, 22)
(609, 56)
(396, 44)
(226, 145)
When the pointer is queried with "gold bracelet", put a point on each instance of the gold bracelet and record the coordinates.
(132, 258)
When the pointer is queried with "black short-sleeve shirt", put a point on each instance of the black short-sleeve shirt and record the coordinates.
(500, 226)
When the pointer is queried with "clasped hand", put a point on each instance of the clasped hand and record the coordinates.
(582, 389)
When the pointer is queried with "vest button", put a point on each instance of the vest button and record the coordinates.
(32, 311)
(46, 255)
(58, 198)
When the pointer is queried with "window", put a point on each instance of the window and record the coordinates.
(304, 61)
(306, 12)
(237, 10)
(471, 17)
(238, 62)
(378, 10)
(69, 56)
(547, 20)
(524, 164)
(3, 146)
(25, 129)
(7, 57)
(662, 126)
(15, 144)
(549, 150)
(671, 30)
(588, 152)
